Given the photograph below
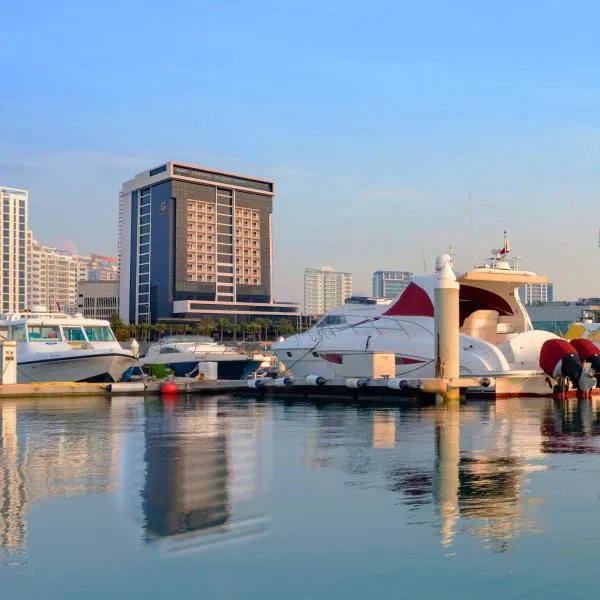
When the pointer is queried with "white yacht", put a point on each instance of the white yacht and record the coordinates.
(59, 347)
(496, 335)
(182, 354)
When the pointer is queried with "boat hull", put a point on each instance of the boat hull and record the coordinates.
(107, 367)
(226, 369)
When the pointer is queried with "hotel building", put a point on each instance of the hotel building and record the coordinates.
(14, 249)
(390, 284)
(325, 289)
(196, 243)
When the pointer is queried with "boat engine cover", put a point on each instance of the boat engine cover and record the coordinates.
(558, 357)
(587, 351)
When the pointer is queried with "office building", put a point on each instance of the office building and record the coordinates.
(389, 284)
(14, 249)
(98, 299)
(536, 292)
(196, 243)
(325, 289)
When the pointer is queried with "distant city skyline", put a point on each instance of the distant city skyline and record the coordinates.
(477, 101)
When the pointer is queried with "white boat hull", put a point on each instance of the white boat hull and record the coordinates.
(107, 367)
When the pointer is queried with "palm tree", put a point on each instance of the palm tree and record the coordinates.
(235, 329)
(255, 328)
(222, 324)
(267, 325)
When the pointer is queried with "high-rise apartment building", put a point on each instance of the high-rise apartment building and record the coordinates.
(325, 289)
(14, 249)
(532, 293)
(196, 243)
(54, 275)
(389, 284)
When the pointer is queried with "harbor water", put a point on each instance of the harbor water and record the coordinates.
(235, 498)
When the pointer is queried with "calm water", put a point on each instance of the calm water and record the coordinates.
(223, 498)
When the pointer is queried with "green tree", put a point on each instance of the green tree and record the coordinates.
(284, 328)
(235, 329)
(222, 324)
(206, 326)
(254, 328)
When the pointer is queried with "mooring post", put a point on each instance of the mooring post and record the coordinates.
(446, 326)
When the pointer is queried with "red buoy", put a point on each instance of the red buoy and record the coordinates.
(169, 388)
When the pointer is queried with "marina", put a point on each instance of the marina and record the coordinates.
(301, 304)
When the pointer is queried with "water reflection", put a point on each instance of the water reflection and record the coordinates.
(471, 464)
(203, 480)
(183, 471)
(192, 474)
(46, 452)
(571, 426)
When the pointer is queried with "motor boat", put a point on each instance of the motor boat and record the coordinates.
(299, 353)
(496, 334)
(60, 347)
(184, 355)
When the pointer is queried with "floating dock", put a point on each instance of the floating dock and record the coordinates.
(354, 389)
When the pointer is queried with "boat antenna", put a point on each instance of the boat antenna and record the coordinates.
(475, 244)
(424, 261)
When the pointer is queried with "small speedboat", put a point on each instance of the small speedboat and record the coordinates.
(184, 355)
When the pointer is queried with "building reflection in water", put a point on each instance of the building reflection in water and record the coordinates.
(204, 479)
(13, 496)
(50, 450)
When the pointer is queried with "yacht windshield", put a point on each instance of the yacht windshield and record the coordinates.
(99, 334)
(332, 320)
(74, 334)
(19, 333)
(45, 333)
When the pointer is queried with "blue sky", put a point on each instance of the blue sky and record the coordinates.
(375, 119)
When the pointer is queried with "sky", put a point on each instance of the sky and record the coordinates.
(377, 120)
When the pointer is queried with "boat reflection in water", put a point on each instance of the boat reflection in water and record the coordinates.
(471, 463)
(571, 426)
(203, 477)
(480, 475)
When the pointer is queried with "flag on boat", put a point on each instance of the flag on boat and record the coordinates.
(506, 248)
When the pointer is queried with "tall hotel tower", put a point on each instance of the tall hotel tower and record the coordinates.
(196, 243)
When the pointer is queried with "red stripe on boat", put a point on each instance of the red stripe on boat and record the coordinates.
(338, 359)
(407, 360)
